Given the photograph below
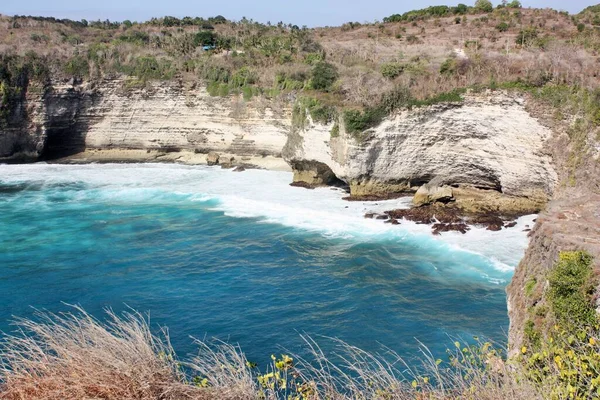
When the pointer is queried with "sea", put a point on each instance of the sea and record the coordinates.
(245, 258)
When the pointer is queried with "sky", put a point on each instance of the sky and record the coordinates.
(303, 12)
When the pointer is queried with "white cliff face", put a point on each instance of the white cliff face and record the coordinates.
(489, 141)
(169, 117)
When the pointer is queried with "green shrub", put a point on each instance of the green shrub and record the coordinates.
(314, 58)
(392, 70)
(216, 74)
(319, 112)
(205, 38)
(514, 4)
(243, 77)
(357, 121)
(527, 36)
(484, 6)
(448, 67)
(571, 290)
(77, 66)
(136, 37)
(502, 27)
(324, 75)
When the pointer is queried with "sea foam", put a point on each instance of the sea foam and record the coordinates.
(268, 197)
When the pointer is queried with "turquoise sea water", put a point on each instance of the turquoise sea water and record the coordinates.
(243, 257)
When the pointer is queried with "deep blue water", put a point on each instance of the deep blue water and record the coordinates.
(119, 236)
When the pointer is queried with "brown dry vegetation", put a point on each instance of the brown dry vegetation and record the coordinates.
(74, 356)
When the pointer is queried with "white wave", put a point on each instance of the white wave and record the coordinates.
(266, 195)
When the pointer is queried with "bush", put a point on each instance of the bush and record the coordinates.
(357, 121)
(392, 70)
(484, 6)
(502, 27)
(324, 75)
(77, 67)
(571, 290)
(527, 36)
(205, 38)
(448, 67)
(319, 112)
(148, 68)
(514, 4)
(243, 77)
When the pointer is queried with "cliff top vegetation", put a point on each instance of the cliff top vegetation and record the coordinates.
(428, 51)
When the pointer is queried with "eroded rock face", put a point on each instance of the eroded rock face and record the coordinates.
(168, 116)
(489, 142)
(64, 119)
(312, 174)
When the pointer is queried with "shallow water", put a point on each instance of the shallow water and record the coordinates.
(243, 257)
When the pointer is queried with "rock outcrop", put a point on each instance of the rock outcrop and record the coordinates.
(489, 142)
(431, 193)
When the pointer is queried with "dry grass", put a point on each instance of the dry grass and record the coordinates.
(75, 356)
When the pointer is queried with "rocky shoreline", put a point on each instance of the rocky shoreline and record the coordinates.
(447, 218)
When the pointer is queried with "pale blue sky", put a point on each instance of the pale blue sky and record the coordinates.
(300, 12)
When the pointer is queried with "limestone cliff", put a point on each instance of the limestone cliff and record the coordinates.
(66, 119)
(487, 142)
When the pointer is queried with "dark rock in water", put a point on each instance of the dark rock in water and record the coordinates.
(382, 217)
(428, 215)
(395, 222)
(447, 217)
(491, 221)
(461, 227)
(510, 224)
(527, 230)
(239, 169)
(370, 215)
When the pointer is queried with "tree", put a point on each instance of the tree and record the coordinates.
(514, 4)
(461, 9)
(205, 38)
(324, 75)
(484, 5)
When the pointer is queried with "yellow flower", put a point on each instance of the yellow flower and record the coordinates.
(592, 341)
(523, 349)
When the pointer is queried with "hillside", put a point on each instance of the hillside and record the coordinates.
(427, 53)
